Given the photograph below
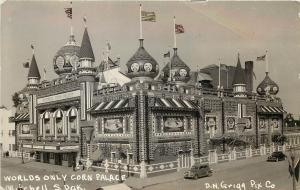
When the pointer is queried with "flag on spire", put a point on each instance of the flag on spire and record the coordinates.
(167, 54)
(261, 58)
(84, 20)
(26, 64)
(69, 12)
(179, 28)
(148, 16)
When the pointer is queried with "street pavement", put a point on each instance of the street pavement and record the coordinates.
(251, 174)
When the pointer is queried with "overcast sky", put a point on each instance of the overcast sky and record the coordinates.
(212, 30)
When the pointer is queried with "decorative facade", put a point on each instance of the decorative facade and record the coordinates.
(142, 114)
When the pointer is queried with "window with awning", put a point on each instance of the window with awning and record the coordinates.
(109, 105)
(175, 103)
(271, 109)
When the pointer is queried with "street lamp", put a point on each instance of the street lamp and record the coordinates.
(22, 152)
(119, 163)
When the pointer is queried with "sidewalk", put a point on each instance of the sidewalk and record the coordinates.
(138, 183)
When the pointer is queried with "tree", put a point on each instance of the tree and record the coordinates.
(16, 100)
(278, 138)
(289, 120)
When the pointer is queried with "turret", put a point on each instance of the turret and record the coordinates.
(33, 74)
(87, 74)
(239, 80)
(142, 66)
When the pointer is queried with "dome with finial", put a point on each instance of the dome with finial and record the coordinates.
(66, 59)
(180, 72)
(142, 64)
(267, 86)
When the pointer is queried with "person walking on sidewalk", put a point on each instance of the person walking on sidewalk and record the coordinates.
(74, 165)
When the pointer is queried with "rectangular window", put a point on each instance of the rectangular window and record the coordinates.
(240, 110)
(243, 110)
(13, 133)
(51, 155)
(8, 132)
(65, 157)
(13, 147)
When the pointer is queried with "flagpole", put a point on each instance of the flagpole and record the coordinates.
(170, 64)
(267, 62)
(141, 26)
(174, 26)
(219, 73)
(71, 19)
(44, 73)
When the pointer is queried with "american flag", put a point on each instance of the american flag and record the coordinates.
(68, 11)
(148, 16)
(261, 58)
(179, 28)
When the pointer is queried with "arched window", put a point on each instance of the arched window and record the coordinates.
(58, 118)
(72, 120)
(46, 123)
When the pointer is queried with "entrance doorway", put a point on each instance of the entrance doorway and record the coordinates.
(58, 159)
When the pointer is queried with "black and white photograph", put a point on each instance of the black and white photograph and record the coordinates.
(152, 95)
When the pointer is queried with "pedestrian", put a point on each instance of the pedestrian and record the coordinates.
(74, 165)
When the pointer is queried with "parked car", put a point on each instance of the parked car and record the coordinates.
(276, 156)
(198, 170)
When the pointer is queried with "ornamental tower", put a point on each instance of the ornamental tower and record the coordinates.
(86, 71)
(239, 80)
(176, 71)
(33, 74)
(66, 59)
(142, 66)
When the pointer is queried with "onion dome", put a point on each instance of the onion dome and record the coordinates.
(142, 64)
(239, 74)
(66, 59)
(86, 50)
(34, 70)
(179, 70)
(267, 86)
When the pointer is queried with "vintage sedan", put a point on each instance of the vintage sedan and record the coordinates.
(198, 170)
(276, 156)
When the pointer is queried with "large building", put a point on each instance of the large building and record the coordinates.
(146, 113)
(7, 130)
